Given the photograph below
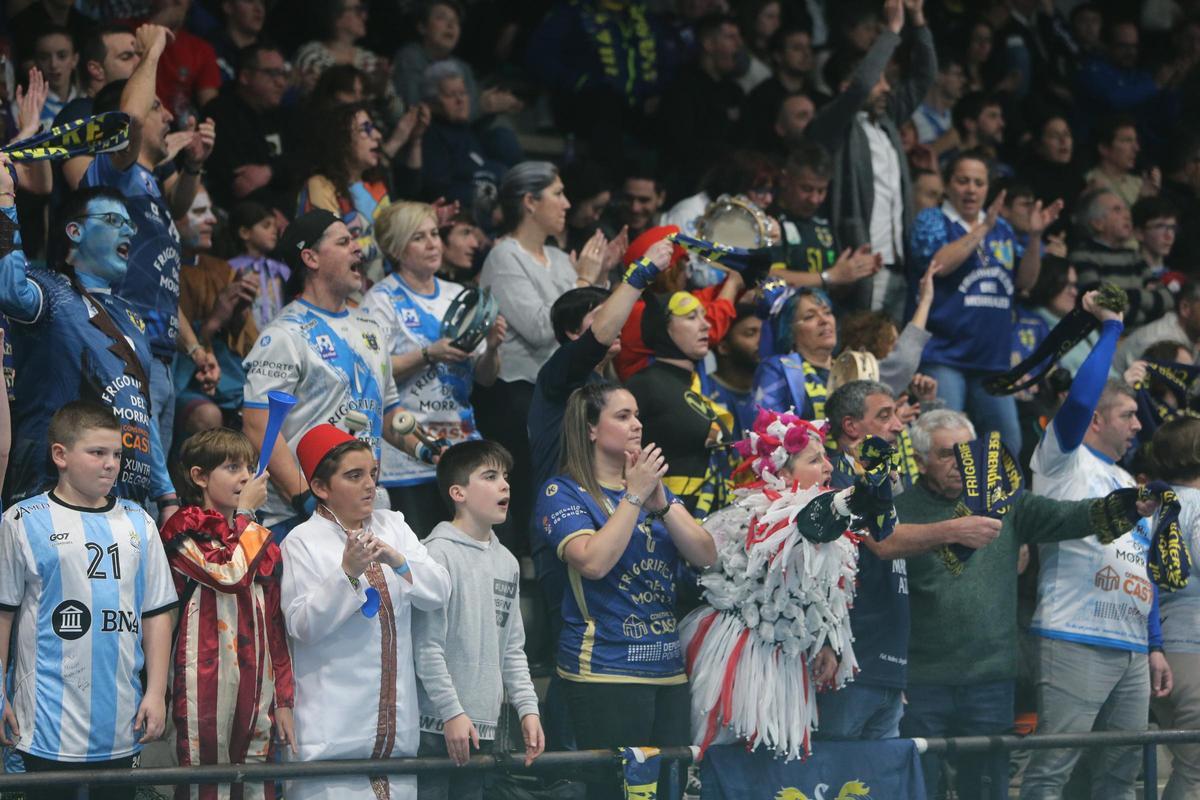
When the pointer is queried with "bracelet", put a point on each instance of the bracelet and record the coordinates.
(247, 512)
(660, 513)
(193, 349)
(824, 280)
(353, 581)
(633, 499)
(403, 569)
(425, 356)
(195, 171)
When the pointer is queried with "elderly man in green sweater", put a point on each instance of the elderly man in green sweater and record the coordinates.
(962, 652)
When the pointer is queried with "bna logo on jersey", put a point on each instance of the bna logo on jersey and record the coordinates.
(71, 620)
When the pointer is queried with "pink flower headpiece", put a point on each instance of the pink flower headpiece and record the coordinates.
(774, 438)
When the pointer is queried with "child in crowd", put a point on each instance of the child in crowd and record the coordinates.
(233, 674)
(85, 577)
(352, 578)
(255, 235)
(468, 655)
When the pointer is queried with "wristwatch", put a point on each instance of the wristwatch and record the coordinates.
(633, 499)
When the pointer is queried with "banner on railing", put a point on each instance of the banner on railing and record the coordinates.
(879, 770)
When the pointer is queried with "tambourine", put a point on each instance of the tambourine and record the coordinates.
(469, 318)
(852, 365)
(736, 221)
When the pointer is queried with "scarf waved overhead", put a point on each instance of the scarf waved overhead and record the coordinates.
(1070, 331)
(991, 482)
(1178, 380)
(103, 133)
(753, 264)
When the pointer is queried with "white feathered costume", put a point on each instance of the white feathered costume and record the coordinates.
(774, 599)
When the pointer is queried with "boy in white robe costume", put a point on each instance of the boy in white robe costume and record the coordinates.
(356, 691)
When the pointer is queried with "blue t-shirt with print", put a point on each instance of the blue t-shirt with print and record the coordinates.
(879, 617)
(972, 315)
(621, 627)
(151, 284)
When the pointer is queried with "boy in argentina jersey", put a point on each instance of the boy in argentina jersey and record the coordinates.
(332, 358)
(84, 576)
(1097, 612)
(74, 339)
(622, 627)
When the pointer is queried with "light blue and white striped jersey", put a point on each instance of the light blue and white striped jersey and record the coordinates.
(80, 581)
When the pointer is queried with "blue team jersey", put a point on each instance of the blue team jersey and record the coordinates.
(63, 356)
(621, 628)
(879, 617)
(972, 316)
(152, 283)
(81, 582)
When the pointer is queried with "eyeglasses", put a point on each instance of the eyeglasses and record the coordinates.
(113, 219)
(367, 128)
(1163, 226)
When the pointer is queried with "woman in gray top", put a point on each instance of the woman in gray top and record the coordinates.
(526, 276)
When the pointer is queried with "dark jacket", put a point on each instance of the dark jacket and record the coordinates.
(852, 190)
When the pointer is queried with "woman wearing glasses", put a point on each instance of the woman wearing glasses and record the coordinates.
(346, 178)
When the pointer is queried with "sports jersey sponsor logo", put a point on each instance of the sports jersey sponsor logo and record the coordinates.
(824, 236)
(634, 627)
(71, 620)
(136, 320)
(273, 369)
(410, 318)
(552, 490)
(371, 340)
(325, 347)
(1107, 580)
(264, 341)
(58, 539)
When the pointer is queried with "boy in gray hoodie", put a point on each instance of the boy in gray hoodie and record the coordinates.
(471, 651)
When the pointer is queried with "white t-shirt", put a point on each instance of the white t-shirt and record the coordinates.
(439, 396)
(1088, 592)
(333, 364)
(1180, 610)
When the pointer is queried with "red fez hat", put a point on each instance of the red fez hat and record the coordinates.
(316, 444)
(638, 247)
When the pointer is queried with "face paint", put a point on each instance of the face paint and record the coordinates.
(196, 228)
(102, 247)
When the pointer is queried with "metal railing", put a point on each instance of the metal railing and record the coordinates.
(565, 761)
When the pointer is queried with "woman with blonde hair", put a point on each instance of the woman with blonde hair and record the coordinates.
(434, 377)
(622, 535)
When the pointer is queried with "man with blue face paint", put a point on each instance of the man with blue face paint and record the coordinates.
(152, 282)
(74, 339)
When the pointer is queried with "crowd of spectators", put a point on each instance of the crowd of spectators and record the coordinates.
(309, 185)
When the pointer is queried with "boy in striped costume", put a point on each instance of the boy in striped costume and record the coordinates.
(233, 674)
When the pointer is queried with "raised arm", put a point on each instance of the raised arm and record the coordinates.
(139, 95)
(20, 298)
(612, 313)
(829, 125)
(1073, 418)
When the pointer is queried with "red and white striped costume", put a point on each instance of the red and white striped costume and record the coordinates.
(231, 662)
